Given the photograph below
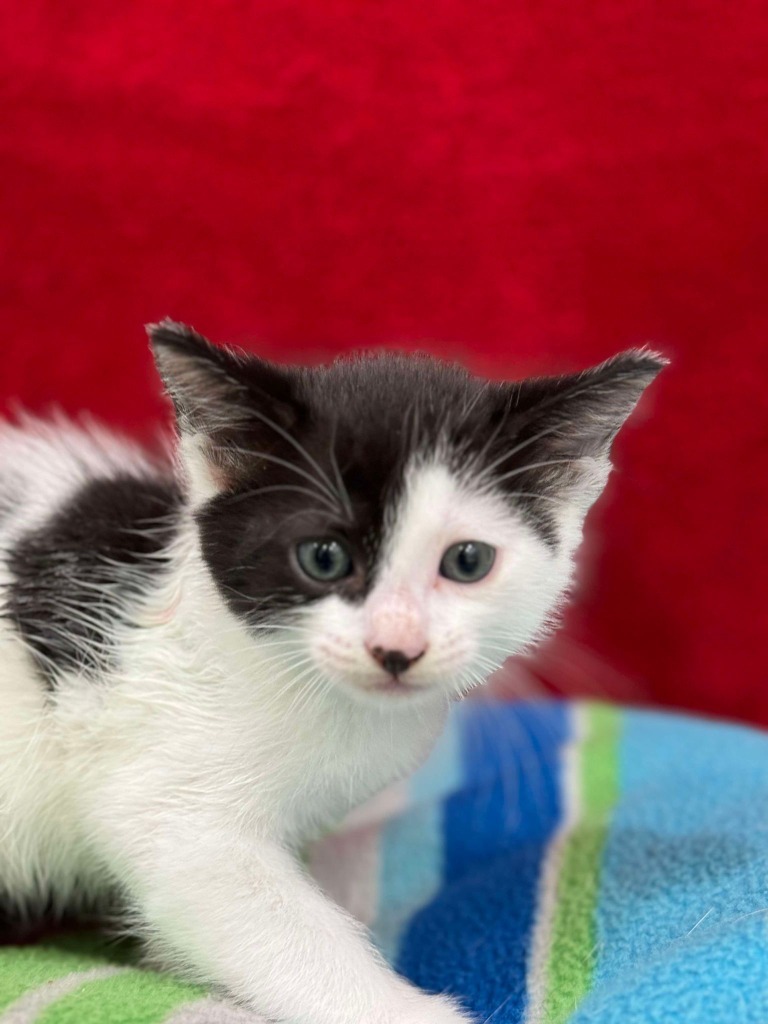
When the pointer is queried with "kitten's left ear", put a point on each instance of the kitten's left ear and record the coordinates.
(560, 429)
(579, 415)
(229, 405)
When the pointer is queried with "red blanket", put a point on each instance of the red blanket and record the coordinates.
(529, 187)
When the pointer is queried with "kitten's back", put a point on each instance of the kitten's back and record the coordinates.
(84, 519)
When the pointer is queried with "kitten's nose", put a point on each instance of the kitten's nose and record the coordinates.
(394, 662)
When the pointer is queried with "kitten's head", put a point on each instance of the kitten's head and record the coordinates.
(395, 525)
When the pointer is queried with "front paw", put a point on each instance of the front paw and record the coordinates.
(420, 1008)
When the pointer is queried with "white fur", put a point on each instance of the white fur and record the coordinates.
(191, 776)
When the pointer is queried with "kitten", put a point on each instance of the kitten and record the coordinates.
(202, 669)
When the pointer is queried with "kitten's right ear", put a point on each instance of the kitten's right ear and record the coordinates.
(212, 387)
(229, 405)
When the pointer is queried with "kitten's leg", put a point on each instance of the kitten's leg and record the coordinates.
(244, 915)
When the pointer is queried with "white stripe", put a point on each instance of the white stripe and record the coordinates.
(28, 1007)
(546, 904)
(347, 865)
(387, 804)
(214, 1011)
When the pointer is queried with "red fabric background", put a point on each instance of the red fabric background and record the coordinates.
(527, 186)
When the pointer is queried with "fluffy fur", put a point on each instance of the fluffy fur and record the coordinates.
(185, 708)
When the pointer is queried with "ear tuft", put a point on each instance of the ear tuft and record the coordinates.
(168, 336)
(634, 368)
(170, 331)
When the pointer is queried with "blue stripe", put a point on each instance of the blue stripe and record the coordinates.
(473, 937)
(684, 889)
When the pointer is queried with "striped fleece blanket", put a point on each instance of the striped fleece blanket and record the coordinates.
(550, 863)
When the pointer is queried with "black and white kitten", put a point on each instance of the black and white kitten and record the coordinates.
(203, 669)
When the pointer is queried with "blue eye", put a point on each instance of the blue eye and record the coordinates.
(325, 560)
(468, 561)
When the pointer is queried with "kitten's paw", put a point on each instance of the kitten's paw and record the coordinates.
(421, 1008)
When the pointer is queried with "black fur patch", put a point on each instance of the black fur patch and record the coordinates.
(307, 453)
(73, 576)
(358, 423)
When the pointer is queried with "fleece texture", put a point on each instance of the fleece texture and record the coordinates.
(549, 864)
(527, 186)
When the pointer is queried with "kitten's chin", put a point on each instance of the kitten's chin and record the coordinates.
(398, 689)
(389, 691)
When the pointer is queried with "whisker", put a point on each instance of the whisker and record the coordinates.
(323, 492)
(533, 465)
(342, 487)
(257, 491)
(536, 494)
(521, 446)
(299, 448)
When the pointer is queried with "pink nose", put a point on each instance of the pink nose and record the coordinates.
(394, 662)
(395, 626)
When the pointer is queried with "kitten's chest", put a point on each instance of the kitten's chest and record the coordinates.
(347, 762)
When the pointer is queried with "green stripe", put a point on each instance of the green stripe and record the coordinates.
(573, 953)
(25, 967)
(132, 997)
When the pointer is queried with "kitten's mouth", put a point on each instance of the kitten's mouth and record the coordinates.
(394, 684)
